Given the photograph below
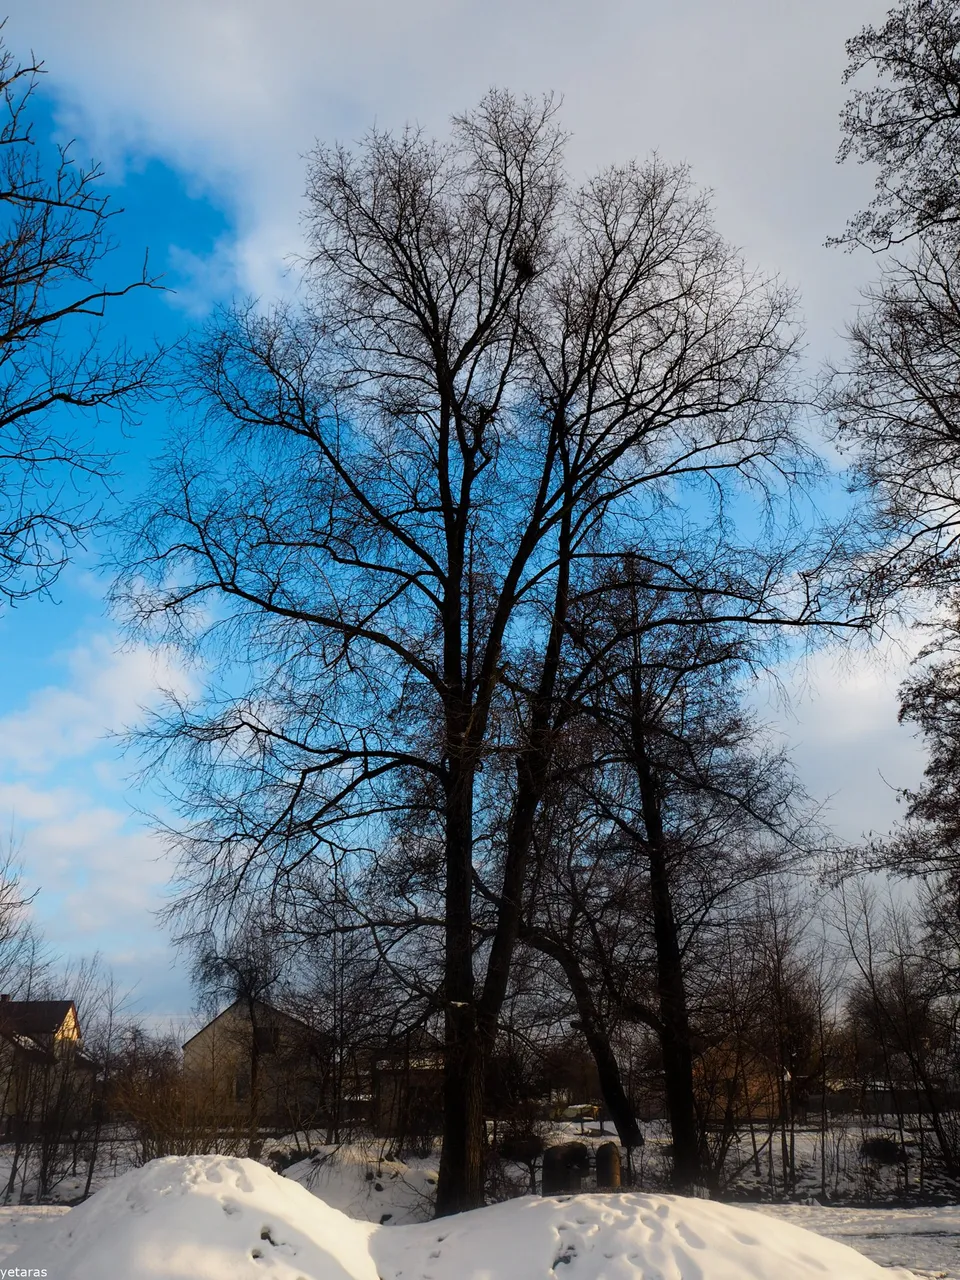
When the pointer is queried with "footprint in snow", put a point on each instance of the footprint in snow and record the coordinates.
(690, 1237)
(280, 1245)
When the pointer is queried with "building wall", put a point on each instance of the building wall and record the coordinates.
(69, 1029)
(219, 1061)
(408, 1101)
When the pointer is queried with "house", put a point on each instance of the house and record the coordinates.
(47, 1023)
(46, 1078)
(256, 1064)
(407, 1082)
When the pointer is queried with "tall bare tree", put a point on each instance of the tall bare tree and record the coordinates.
(897, 403)
(387, 495)
(676, 806)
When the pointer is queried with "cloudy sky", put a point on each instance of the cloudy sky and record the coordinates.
(201, 111)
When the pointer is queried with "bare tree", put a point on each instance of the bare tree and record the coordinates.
(896, 402)
(675, 807)
(56, 372)
(160, 1111)
(384, 495)
(244, 969)
(907, 123)
(903, 1017)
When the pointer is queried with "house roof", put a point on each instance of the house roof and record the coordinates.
(261, 1004)
(34, 1017)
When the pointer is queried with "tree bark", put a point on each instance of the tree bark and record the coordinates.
(462, 1159)
(671, 988)
(471, 1023)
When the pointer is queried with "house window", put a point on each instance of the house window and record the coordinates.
(241, 1085)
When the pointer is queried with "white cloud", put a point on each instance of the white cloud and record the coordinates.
(203, 280)
(843, 736)
(234, 95)
(105, 689)
(23, 802)
(100, 875)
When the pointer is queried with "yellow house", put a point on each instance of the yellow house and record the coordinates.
(44, 1074)
(48, 1023)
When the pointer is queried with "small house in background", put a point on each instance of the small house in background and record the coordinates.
(49, 1024)
(407, 1081)
(253, 1062)
(46, 1078)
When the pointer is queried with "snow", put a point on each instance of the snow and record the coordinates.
(218, 1218)
(616, 1237)
(201, 1218)
(19, 1223)
(363, 1184)
(924, 1239)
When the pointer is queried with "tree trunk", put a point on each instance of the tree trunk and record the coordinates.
(671, 988)
(471, 1024)
(533, 768)
(595, 1032)
(94, 1148)
(462, 1158)
(675, 1033)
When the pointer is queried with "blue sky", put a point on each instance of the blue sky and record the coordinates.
(201, 112)
(66, 797)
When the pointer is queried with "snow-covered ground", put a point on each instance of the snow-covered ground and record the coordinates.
(204, 1219)
(219, 1218)
(926, 1240)
(19, 1223)
(355, 1180)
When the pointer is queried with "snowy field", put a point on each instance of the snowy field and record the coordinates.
(19, 1223)
(220, 1218)
(926, 1241)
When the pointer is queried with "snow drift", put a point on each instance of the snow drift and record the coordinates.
(215, 1218)
(201, 1218)
(361, 1184)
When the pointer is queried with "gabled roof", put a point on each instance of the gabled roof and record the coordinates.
(34, 1017)
(261, 1004)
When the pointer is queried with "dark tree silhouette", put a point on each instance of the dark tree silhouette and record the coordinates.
(908, 124)
(56, 373)
(669, 807)
(896, 403)
(388, 497)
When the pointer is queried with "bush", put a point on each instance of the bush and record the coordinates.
(883, 1151)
